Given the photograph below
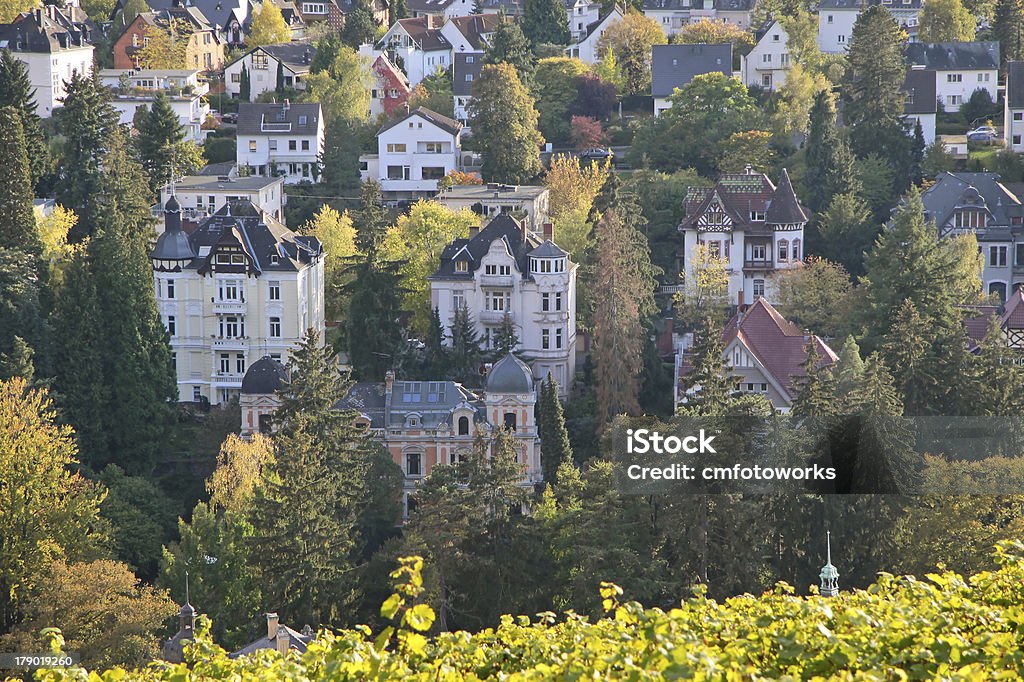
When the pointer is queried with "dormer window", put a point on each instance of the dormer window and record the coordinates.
(461, 266)
(546, 266)
(970, 218)
(757, 216)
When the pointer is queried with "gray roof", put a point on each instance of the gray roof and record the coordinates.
(296, 640)
(267, 245)
(784, 208)
(510, 375)
(222, 169)
(492, 190)
(226, 182)
(42, 30)
(979, 190)
(951, 56)
(1015, 84)
(431, 401)
(424, 34)
(548, 250)
(216, 12)
(173, 244)
(441, 121)
(668, 5)
(461, 66)
(842, 4)
(296, 56)
(503, 227)
(266, 376)
(673, 66)
(251, 117)
(920, 88)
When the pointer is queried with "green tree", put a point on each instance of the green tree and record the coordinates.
(18, 362)
(339, 163)
(945, 21)
(374, 323)
(508, 45)
(847, 231)
(829, 160)
(710, 384)
(22, 313)
(555, 88)
(398, 9)
(268, 27)
(999, 384)
(504, 121)
(86, 121)
(554, 438)
(49, 510)
(506, 340)
(16, 91)
(434, 92)
(1008, 29)
(306, 552)
(343, 88)
(795, 100)
(245, 85)
(17, 218)
(631, 40)
(817, 296)
(546, 21)
(142, 518)
(464, 358)
(163, 150)
(338, 236)
(360, 26)
(705, 288)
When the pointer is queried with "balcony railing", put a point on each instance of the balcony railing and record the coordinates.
(229, 307)
(492, 316)
(759, 264)
(504, 281)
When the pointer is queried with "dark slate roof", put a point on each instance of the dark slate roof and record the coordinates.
(252, 117)
(266, 376)
(173, 244)
(432, 401)
(510, 375)
(548, 250)
(734, 5)
(842, 4)
(42, 30)
(460, 68)
(503, 227)
(240, 224)
(428, 6)
(779, 345)
(222, 169)
(673, 66)
(784, 208)
(512, 8)
(1015, 84)
(953, 56)
(475, 27)
(296, 640)
(442, 122)
(426, 36)
(920, 88)
(296, 56)
(668, 5)
(952, 190)
(216, 12)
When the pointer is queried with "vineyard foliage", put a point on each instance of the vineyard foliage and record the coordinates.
(943, 627)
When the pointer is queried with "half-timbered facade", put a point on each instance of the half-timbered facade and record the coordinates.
(748, 222)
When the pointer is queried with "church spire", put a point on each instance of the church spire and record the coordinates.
(829, 575)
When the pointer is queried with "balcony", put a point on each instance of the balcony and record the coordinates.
(759, 264)
(229, 307)
(492, 316)
(230, 342)
(499, 281)
(227, 380)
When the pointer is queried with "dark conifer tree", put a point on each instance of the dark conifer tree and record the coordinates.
(830, 165)
(506, 340)
(160, 132)
(374, 322)
(465, 357)
(1008, 29)
(244, 85)
(546, 21)
(554, 438)
(17, 217)
(16, 91)
(510, 46)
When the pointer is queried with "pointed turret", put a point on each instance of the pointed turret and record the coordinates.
(173, 248)
(785, 208)
(829, 575)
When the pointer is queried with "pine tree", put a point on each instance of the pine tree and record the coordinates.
(435, 356)
(917, 147)
(509, 46)
(280, 79)
(360, 26)
(817, 397)
(504, 118)
(17, 217)
(1008, 29)
(999, 380)
(546, 21)
(21, 308)
(244, 85)
(16, 91)
(371, 218)
(86, 121)
(506, 340)
(374, 322)
(554, 438)
(159, 136)
(465, 358)
(398, 9)
(18, 363)
(829, 160)
(848, 369)
(908, 352)
(710, 384)
(306, 542)
(339, 162)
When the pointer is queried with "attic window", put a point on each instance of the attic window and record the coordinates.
(274, 259)
(461, 266)
(302, 120)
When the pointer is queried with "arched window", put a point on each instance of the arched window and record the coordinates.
(783, 250)
(463, 426)
(510, 421)
(413, 464)
(998, 288)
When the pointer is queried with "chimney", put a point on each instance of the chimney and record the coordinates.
(549, 231)
(389, 381)
(287, 104)
(272, 626)
(281, 644)
(740, 299)
(474, 231)
(405, 105)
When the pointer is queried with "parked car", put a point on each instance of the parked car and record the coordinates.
(230, 117)
(983, 134)
(597, 154)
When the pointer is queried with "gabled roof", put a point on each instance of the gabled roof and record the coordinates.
(443, 122)
(614, 14)
(424, 34)
(44, 29)
(296, 56)
(462, 65)
(952, 190)
(475, 27)
(1015, 85)
(776, 343)
(428, 6)
(214, 12)
(953, 56)
(673, 66)
(296, 640)
(741, 194)
(920, 88)
(252, 117)
(382, 66)
(517, 239)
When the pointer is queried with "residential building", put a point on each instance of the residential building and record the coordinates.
(523, 202)
(921, 105)
(466, 70)
(239, 287)
(581, 14)
(52, 48)
(227, 17)
(447, 9)
(281, 139)
(1010, 316)
(506, 269)
(332, 13)
(390, 89)
(585, 47)
(906, 12)
(673, 15)
(263, 62)
(417, 44)
(984, 205)
(422, 423)
(200, 196)
(955, 145)
(764, 352)
(745, 220)
(413, 153)
(279, 637)
(673, 66)
(136, 89)
(766, 65)
(205, 49)
(470, 34)
(835, 23)
(1013, 107)
(959, 68)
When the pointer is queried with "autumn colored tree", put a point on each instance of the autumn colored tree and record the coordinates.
(338, 236)
(630, 40)
(573, 189)
(944, 21)
(708, 32)
(586, 133)
(268, 26)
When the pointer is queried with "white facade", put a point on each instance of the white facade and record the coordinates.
(541, 305)
(954, 87)
(49, 71)
(290, 148)
(581, 14)
(529, 201)
(200, 196)
(262, 67)
(927, 122)
(767, 63)
(136, 88)
(1013, 127)
(415, 152)
(835, 28)
(585, 49)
